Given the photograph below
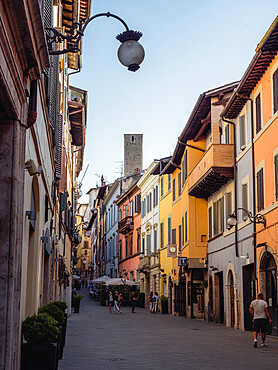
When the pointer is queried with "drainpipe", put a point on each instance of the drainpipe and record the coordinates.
(254, 192)
(235, 180)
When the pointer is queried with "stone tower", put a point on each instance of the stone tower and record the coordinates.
(133, 153)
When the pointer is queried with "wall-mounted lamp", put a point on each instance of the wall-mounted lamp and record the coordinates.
(257, 219)
(130, 53)
(32, 215)
(44, 239)
(31, 167)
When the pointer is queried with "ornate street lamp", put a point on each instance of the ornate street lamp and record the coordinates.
(131, 53)
(257, 219)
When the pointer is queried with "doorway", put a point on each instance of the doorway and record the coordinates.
(249, 293)
(219, 297)
(268, 280)
(232, 298)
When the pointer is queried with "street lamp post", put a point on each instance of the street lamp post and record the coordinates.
(255, 219)
(130, 53)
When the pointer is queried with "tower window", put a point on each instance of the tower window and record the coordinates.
(132, 139)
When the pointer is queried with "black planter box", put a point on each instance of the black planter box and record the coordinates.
(164, 306)
(39, 356)
(76, 306)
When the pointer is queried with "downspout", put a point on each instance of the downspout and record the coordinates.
(254, 192)
(235, 181)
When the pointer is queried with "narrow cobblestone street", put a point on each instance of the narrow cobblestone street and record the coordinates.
(97, 340)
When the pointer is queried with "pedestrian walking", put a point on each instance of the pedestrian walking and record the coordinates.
(116, 300)
(150, 299)
(110, 301)
(155, 302)
(133, 302)
(119, 300)
(260, 313)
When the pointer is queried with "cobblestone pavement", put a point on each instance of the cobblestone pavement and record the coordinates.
(97, 339)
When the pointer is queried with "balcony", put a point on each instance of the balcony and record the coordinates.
(126, 225)
(214, 169)
(144, 264)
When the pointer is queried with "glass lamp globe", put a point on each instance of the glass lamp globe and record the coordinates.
(232, 221)
(131, 54)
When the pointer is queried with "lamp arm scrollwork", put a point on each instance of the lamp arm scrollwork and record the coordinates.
(258, 218)
(76, 32)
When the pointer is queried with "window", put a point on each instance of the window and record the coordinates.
(210, 222)
(149, 241)
(174, 190)
(275, 91)
(258, 113)
(150, 207)
(179, 184)
(143, 245)
(185, 227)
(154, 198)
(276, 175)
(227, 134)
(138, 241)
(242, 132)
(215, 218)
(184, 168)
(244, 192)
(132, 139)
(137, 204)
(131, 244)
(86, 244)
(130, 208)
(161, 187)
(260, 190)
(45, 208)
(174, 236)
(126, 246)
(162, 234)
(180, 241)
(169, 230)
(182, 231)
(169, 182)
(120, 250)
(222, 215)
(228, 208)
(155, 241)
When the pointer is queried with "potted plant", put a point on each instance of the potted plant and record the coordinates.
(103, 294)
(76, 298)
(141, 300)
(41, 334)
(62, 306)
(57, 311)
(164, 304)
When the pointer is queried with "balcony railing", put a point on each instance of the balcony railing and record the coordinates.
(126, 225)
(214, 169)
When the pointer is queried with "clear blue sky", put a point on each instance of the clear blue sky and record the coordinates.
(191, 46)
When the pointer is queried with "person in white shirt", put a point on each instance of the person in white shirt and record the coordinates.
(260, 313)
(155, 302)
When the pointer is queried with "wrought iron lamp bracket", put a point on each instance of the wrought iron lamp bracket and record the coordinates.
(257, 219)
(77, 32)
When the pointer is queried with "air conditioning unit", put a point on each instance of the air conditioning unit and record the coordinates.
(56, 239)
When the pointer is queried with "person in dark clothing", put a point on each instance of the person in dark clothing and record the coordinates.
(133, 302)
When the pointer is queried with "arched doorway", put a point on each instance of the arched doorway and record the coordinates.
(231, 293)
(268, 285)
(210, 314)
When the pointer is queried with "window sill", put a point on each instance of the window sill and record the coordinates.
(215, 237)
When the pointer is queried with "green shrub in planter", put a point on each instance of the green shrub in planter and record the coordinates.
(52, 310)
(40, 329)
(61, 305)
